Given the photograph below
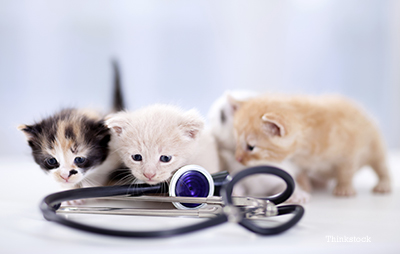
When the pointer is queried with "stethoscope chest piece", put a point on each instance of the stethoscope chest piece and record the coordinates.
(191, 181)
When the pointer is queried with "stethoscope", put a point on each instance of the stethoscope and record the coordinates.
(194, 192)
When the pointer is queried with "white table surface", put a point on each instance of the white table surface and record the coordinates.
(375, 217)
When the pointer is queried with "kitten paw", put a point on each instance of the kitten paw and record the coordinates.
(299, 197)
(239, 190)
(382, 187)
(344, 191)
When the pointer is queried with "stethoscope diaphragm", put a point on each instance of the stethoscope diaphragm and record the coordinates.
(191, 181)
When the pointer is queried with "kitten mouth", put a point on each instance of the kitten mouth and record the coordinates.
(67, 181)
(152, 182)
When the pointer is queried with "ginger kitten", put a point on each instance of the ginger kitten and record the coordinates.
(326, 135)
(155, 141)
(221, 117)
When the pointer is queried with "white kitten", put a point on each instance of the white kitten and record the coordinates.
(206, 154)
(220, 116)
(157, 140)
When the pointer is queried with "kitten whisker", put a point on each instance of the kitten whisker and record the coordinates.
(91, 182)
(125, 180)
(133, 183)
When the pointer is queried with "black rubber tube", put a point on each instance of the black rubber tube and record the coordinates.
(52, 202)
(276, 199)
(296, 210)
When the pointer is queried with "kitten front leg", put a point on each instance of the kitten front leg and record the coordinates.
(344, 180)
(303, 180)
(239, 190)
(299, 196)
(72, 202)
(383, 186)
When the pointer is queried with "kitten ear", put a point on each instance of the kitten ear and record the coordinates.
(273, 125)
(27, 130)
(192, 124)
(115, 124)
(234, 103)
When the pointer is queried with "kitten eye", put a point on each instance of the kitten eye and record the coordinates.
(249, 147)
(79, 160)
(137, 157)
(223, 117)
(165, 158)
(52, 162)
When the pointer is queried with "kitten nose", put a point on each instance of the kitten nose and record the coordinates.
(239, 158)
(149, 175)
(72, 172)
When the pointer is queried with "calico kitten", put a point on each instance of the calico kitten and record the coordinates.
(157, 140)
(72, 146)
(327, 135)
(221, 116)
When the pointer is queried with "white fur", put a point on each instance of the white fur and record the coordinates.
(223, 132)
(162, 130)
(206, 154)
(96, 176)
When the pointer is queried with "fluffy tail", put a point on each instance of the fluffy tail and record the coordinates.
(118, 101)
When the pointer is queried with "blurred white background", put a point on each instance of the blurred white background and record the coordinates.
(56, 54)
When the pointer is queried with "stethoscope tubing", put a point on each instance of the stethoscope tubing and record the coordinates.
(276, 199)
(52, 202)
(297, 210)
(52, 216)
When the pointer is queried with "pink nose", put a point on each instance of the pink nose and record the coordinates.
(149, 175)
(239, 158)
(70, 173)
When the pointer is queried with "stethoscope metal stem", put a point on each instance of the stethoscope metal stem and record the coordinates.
(213, 200)
(209, 212)
(255, 208)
